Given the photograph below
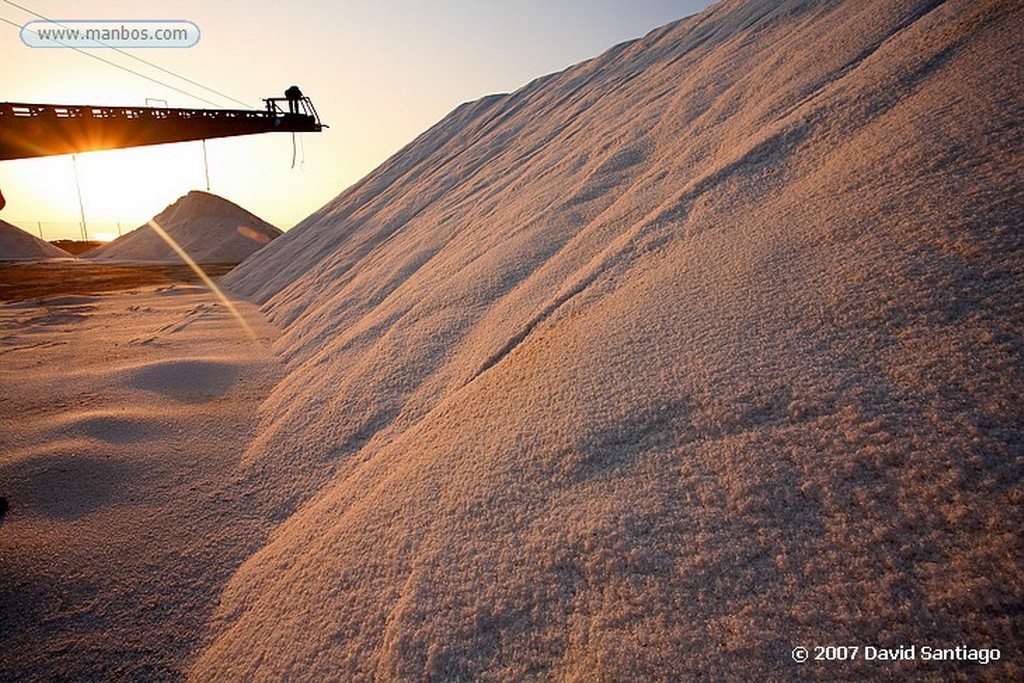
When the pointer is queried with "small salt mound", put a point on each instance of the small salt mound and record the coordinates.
(210, 229)
(15, 243)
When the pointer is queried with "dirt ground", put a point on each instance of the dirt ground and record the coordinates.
(30, 280)
(76, 247)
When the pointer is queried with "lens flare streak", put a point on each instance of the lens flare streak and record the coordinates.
(203, 276)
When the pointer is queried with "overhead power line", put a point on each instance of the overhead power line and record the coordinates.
(131, 56)
(123, 68)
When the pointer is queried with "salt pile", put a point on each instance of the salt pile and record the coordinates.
(209, 228)
(660, 367)
(17, 244)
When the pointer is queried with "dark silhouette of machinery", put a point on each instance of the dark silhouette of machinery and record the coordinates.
(37, 130)
(295, 98)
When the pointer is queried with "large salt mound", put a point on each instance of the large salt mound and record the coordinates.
(660, 367)
(209, 228)
(17, 244)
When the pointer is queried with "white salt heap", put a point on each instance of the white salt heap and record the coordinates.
(17, 244)
(209, 228)
(660, 367)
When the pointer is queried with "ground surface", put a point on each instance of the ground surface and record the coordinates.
(76, 247)
(122, 417)
(21, 280)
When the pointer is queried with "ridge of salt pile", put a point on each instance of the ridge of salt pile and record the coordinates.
(17, 244)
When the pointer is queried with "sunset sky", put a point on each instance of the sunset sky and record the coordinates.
(379, 73)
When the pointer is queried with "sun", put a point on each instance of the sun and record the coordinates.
(104, 236)
(120, 189)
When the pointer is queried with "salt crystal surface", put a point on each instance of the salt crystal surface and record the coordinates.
(660, 366)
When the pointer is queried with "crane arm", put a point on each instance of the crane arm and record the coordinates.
(36, 130)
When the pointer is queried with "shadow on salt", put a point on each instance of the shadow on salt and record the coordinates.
(186, 381)
(68, 485)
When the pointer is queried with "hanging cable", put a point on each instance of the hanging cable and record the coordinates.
(206, 166)
(136, 58)
(81, 206)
